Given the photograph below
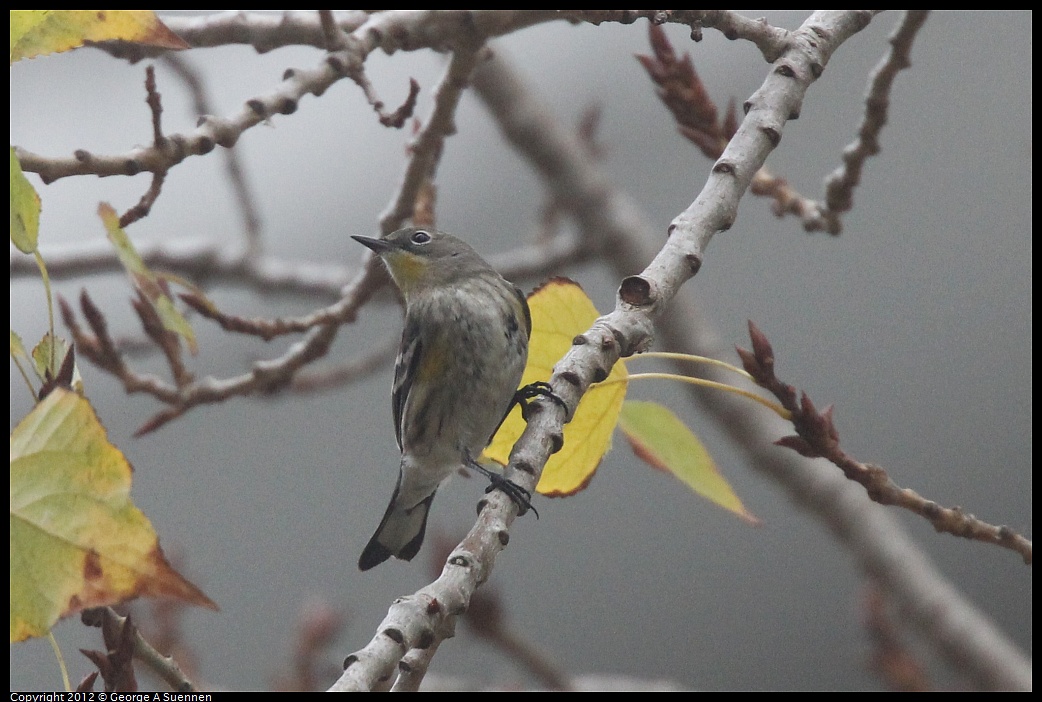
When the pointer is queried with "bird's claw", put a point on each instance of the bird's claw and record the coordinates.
(533, 390)
(517, 494)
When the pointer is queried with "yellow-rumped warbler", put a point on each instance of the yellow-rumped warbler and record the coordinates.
(463, 350)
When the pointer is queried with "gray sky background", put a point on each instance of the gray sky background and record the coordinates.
(916, 323)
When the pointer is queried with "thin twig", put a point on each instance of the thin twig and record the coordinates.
(265, 376)
(337, 40)
(232, 163)
(155, 106)
(389, 31)
(321, 379)
(263, 328)
(426, 148)
(117, 627)
(817, 436)
(200, 260)
(840, 184)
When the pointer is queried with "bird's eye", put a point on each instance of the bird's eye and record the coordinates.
(420, 237)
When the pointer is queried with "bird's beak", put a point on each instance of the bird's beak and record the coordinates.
(378, 246)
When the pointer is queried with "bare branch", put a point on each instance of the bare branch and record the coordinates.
(818, 436)
(263, 31)
(200, 260)
(232, 164)
(337, 40)
(266, 329)
(266, 376)
(272, 374)
(772, 41)
(163, 666)
(389, 31)
(319, 379)
(425, 149)
(267, 32)
(155, 106)
(840, 184)
(682, 91)
(778, 100)
(144, 205)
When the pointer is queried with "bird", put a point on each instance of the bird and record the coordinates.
(463, 350)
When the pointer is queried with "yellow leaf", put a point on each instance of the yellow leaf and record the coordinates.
(152, 286)
(25, 209)
(560, 311)
(77, 541)
(38, 32)
(659, 438)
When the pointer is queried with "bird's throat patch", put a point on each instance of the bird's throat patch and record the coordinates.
(406, 269)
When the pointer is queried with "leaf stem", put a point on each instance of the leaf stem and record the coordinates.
(50, 306)
(692, 359)
(773, 406)
(61, 660)
(17, 353)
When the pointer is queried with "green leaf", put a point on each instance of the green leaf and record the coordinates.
(25, 209)
(153, 287)
(659, 438)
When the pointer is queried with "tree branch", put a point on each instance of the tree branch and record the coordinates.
(840, 184)
(425, 150)
(232, 164)
(818, 437)
(610, 221)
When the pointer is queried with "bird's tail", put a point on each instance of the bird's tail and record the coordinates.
(400, 533)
